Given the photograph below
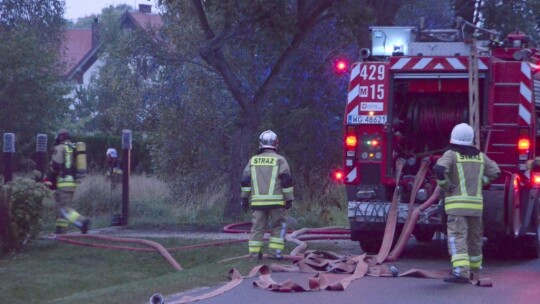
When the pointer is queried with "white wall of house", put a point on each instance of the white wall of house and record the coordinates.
(92, 71)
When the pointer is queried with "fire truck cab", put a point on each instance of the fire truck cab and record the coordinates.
(406, 94)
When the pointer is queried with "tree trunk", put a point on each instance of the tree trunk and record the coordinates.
(243, 146)
(240, 151)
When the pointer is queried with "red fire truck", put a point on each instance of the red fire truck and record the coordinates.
(404, 98)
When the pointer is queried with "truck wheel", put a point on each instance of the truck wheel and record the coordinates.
(424, 235)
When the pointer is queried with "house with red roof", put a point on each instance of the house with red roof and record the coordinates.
(80, 53)
(142, 19)
(80, 50)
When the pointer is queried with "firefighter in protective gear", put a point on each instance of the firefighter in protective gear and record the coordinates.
(461, 173)
(114, 172)
(114, 177)
(267, 187)
(62, 178)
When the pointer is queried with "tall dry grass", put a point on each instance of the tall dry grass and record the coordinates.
(153, 204)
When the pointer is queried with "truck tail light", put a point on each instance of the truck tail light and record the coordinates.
(524, 145)
(351, 144)
(351, 141)
(535, 179)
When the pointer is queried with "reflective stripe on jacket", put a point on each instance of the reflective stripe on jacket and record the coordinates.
(464, 179)
(63, 155)
(266, 188)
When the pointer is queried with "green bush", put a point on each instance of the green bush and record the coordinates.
(25, 200)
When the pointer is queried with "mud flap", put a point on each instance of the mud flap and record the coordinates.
(529, 237)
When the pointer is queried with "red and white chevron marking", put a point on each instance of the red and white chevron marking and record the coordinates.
(525, 93)
(352, 176)
(434, 63)
(354, 90)
(354, 83)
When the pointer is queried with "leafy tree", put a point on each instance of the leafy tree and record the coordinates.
(223, 71)
(31, 97)
(510, 15)
(436, 16)
(268, 55)
(191, 141)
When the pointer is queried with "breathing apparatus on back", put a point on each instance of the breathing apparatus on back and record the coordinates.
(76, 163)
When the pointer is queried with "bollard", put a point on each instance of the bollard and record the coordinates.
(9, 150)
(41, 155)
(126, 166)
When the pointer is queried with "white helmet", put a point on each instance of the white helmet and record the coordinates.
(268, 139)
(111, 152)
(462, 134)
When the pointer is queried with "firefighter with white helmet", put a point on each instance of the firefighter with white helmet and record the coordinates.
(111, 152)
(114, 172)
(267, 187)
(114, 177)
(61, 178)
(461, 172)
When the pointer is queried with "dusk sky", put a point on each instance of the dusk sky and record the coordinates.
(82, 8)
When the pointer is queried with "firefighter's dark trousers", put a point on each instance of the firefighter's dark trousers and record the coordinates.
(277, 218)
(465, 243)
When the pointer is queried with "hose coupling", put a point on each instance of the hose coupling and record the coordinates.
(156, 299)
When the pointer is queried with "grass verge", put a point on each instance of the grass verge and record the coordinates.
(48, 271)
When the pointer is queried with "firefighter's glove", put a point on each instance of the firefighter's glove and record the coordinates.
(440, 172)
(288, 205)
(485, 181)
(245, 203)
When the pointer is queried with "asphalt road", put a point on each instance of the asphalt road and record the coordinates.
(516, 281)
